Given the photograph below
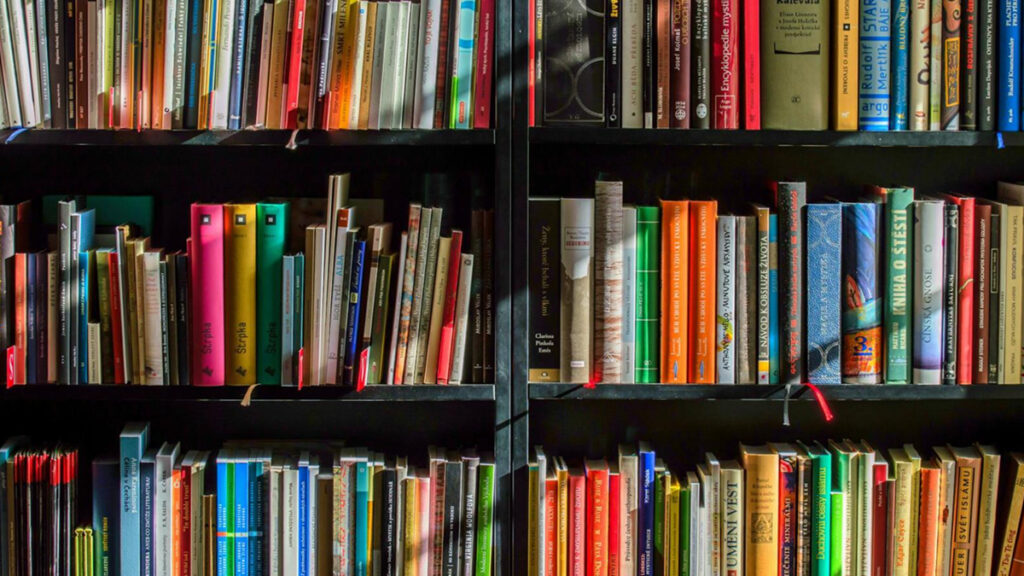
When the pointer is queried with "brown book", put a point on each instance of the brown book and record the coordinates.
(663, 30)
(366, 83)
(680, 73)
(988, 492)
(982, 279)
(965, 510)
(156, 94)
(928, 532)
(795, 66)
(443, 74)
(310, 42)
(81, 79)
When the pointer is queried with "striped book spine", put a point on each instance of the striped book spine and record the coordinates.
(648, 262)
(824, 254)
(875, 42)
(608, 282)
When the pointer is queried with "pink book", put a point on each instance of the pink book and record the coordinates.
(207, 261)
(444, 353)
(752, 64)
(294, 63)
(725, 65)
(484, 65)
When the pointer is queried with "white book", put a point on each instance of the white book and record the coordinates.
(714, 500)
(412, 351)
(629, 511)
(607, 298)
(695, 558)
(95, 366)
(462, 319)
(732, 496)
(220, 96)
(163, 471)
(542, 474)
(705, 535)
(287, 318)
(864, 511)
(9, 67)
(273, 525)
(577, 293)
(928, 284)
(95, 59)
(397, 95)
(386, 103)
(412, 64)
(171, 24)
(153, 341)
(339, 294)
(357, 66)
(19, 46)
(264, 69)
(428, 75)
(289, 520)
(628, 295)
(395, 310)
(726, 304)
(32, 64)
(632, 63)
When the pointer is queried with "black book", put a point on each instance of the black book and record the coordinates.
(789, 202)
(251, 71)
(165, 324)
(476, 299)
(181, 276)
(700, 85)
(613, 63)
(31, 329)
(488, 288)
(452, 543)
(193, 58)
(545, 289)
(378, 510)
(471, 466)
(7, 217)
(950, 292)
(994, 238)
(57, 56)
(390, 529)
(41, 280)
(969, 65)
(986, 64)
(573, 72)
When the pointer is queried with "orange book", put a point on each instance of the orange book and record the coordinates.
(550, 523)
(156, 94)
(703, 271)
(675, 288)
(928, 524)
(20, 317)
(176, 539)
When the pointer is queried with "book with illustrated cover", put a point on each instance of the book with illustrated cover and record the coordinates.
(862, 298)
(573, 71)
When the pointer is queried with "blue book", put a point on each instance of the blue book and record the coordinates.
(824, 254)
(237, 66)
(899, 109)
(862, 294)
(241, 512)
(462, 82)
(133, 442)
(773, 300)
(83, 227)
(645, 514)
(83, 319)
(106, 519)
(194, 56)
(1008, 86)
(222, 512)
(304, 514)
(147, 471)
(31, 328)
(354, 306)
(875, 42)
(362, 515)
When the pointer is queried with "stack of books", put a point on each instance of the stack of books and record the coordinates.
(234, 64)
(894, 289)
(797, 509)
(761, 64)
(359, 306)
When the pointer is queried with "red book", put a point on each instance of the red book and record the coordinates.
(443, 79)
(614, 501)
(551, 524)
(597, 517)
(576, 561)
(444, 353)
(880, 518)
(752, 64)
(725, 67)
(207, 263)
(115, 319)
(484, 64)
(294, 63)
(680, 73)
(965, 280)
(1017, 566)
(186, 521)
(928, 531)
(531, 43)
(662, 88)
(20, 317)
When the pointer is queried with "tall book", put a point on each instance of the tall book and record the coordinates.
(761, 464)
(735, 521)
(681, 64)
(928, 287)
(648, 310)
(700, 83)
(207, 261)
(951, 73)
(703, 244)
(573, 41)
(725, 301)
(875, 47)
(1010, 514)
(920, 63)
(988, 493)
(607, 327)
(271, 239)
(725, 64)
(846, 80)
(862, 314)
(376, 368)
(965, 281)
(133, 443)
(545, 289)
(1011, 253)
(900, 45)
(1008, 78)
(746, 300)
(790, 198)
(631, 69)
(965, 509)
(629, 258)
(982, 278)
(897, 300)
(794, 63)
(824, 254)
(675, 289)
(240, 291)
(577, 218)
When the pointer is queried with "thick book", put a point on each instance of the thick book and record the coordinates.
(789, 489)
(607, 328)
(271, 238)
(951, 71)
(920, 63)
(240, 292)
(790, 198)
(988, 492)
(735, 522)
(703, 245)
(794, 61)
(897, 300)
(577, 216)
(987, 62)
(632, 110)
(648, 301)
(597, 496)
(845, 84)
(725, 301)
(928, 289)
(573, 70)
(875, 48)
(746, 300)
(824, 255)
(761, 217)
(1011, 289)
(681, 63)
(674, 267)
(900, 101)
(725, 64)
(761, 464)
(207, 260)
(862, 301)
(1009, 514)
(661, 51)
(965, 509)
(545, 289)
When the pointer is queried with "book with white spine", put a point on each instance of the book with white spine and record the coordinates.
(607, 270)
(726, 301)
(397, 95)
(220, 94)
(426, 99)
(339, 290)
(577, 298)
(628, 295)
(357, 66)
(8, 66)
(632, 63)
(928, 273)
(462, 319)
(20, 40)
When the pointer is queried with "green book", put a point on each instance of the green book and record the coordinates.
(378, 337)
(271, 237)
(842, 530)
(836, 559)
(899, 235)
(684, 529)
(648, 284)
(821, 515)
(484, 517)
(659, 518)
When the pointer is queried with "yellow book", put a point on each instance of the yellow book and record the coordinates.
(278, 49)
(845, 64)
(412, 524)
(1011, 514)
(1011, 295)
(342, 63)
(437, 310)
(240, 293)
(672, 524)
(208, 45)
(136, 247)
(366, 82)
(562, 553)
(761, 465)
(902, 473)
(987, 508)
(915, 501)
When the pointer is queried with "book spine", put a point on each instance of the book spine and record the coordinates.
(790, 201)
(193, 59)
(725, 64)
(982, 280)
(898, 110)
(920, 62)
(879, 519)
(648, 261)
(675, 289)
(788, 514)
(248, 73)
(131, 448)
(774, 358)
(116, 326)
(649, 78)
(995, 343)
(950, 290)
(746, 301)
(354, 307)
(577, 252)
(904, 553)
(462, 333)
(875, 41)
(702, 290)
(965, 291)
(1010, 290)
(181, 278)
(608, 282)
(645, 515)
(462, 67)
(763, 309)
(751, 64)
(597, 522)
(845, 63)
(965, 517)
(935, 77)
(271, 226)
(987, 492)
(483, 66)
(821, 541)
(969, 65)
(207, 279)
(862, 331)
(824, 254)
(928, 286)
(680, 64)
(898, 297)
(240, 290)
(445, 349)
(762, 505)
(701, 83)
(614, 511)
(629, 324)
(986, 65)
(613, 63)
(951, 50)
(632, 68)
(725, 356)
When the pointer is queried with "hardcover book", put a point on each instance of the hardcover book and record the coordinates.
(577, 253)
(875, 80)
(928, 286)
(271, 238)
(951, 49)
(725, 64)
(207, 261)
(898, 110)
(703, 243)
(545, 289)
(761, 465)
(573, 70)
(920, 63)
(675, 290)
(608, 281)
(700, 85)
(795, 59)
(824, 254)
(790, 198)
(240, 292)
(845, 86)
(862, 299)
(725, 346)
(897, 248)
(648, 312)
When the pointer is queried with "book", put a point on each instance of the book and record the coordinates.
(982, 280)
(1008, 82)
(790, 198)
(725, 65)
(761, 467)
(862, 316)
(545, 290)
(965, 509)
(988, 489)
(951, 51)
(703, 243)
(951, 249)
(240, 243)
(928, 286)
(629, 294)
(874, 81)
(725, 302)
(700, 83)
(746, 299)
(1010, 288)
(574, 41)
(794, 66)
(824, 255)
(736, 521)
(898, 297)
(134, 438)
(673, 356)
(900, 70)
(207, 260)
(1010, 515)
(919, 38)
(608, 281)
(271, 224)
(577, 250)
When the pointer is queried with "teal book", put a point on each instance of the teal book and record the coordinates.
(898, 234)
(133, 442)
(648, 301)
(297, 312)
(484, 517)
(241, 513)
(271, 238)
(222, 513)
(773, 300)
(821, 514)
(362, 516)
(462, 68)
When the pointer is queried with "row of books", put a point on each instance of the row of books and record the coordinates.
(234, 64)
(891, 289)
(761, 64)
(779, 509)
(237, 308)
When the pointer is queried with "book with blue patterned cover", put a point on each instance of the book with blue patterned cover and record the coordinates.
(824, 254)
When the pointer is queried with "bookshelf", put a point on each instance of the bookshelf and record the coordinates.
(269, 138)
